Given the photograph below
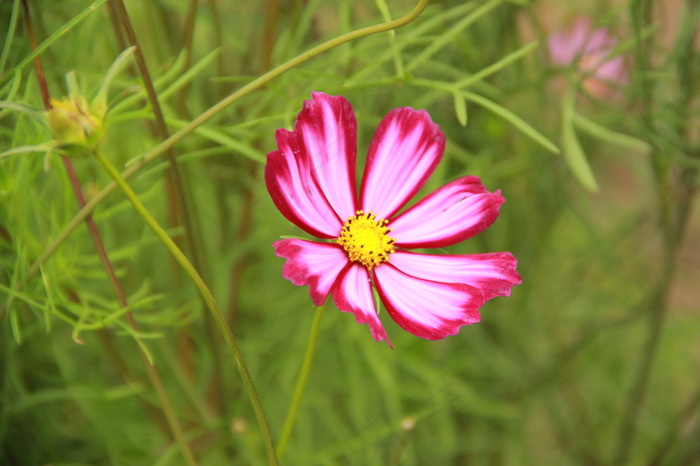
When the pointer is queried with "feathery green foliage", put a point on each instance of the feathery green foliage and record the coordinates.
(590, 361)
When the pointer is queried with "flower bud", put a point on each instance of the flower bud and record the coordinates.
(74, 126)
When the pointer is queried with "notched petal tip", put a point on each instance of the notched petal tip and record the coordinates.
(493, 274)
(505, 273)
(425, 308)
(311, 264)
(455, 212)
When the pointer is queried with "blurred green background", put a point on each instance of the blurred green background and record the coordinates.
(593, 360)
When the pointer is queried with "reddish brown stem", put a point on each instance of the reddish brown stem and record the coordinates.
(38, 67)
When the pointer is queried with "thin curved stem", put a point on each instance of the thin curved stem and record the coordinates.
(206, 296)
(301, 382)
(177, 203)
(175, 180)
(214, 110)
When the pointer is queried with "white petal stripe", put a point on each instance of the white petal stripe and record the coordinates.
(353, 293)
(492, 273)
(452, 213)
(403, 154)
(329, 131)
(294, 191)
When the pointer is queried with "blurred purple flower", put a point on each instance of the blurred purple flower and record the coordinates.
(589, 51)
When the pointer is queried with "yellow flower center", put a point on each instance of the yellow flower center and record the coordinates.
(366, 240)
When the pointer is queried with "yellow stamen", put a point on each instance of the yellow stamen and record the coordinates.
(366, 240)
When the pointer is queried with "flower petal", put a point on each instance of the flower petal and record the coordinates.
(599, 40)
(329, 131)
(493, 273)
(452, 213)
(404, 152)
(353, 293)
(291, 182)
(567, 45)
(314, 264)
(612, 71)
(427, 309)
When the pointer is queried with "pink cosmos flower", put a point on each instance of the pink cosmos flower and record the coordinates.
(311, 179)
(589, 51)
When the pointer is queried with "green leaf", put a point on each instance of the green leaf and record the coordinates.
(576, 158)
(14, 323)
(10, 35)
(50, 303)
(134, 99)
(411, 36)
(72, 84)
(514, 119)
(460, 108)
(189, 75)
(224, 139)
(14, 86)
(453, 34)
(43, 147)
(99, 103)
(31, 112)
(607, 135)
(573, 152)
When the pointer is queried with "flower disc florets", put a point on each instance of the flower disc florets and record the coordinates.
(366, 240)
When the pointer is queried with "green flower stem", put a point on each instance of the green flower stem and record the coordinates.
(206, 296)
(153, 375)
(301, 383)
